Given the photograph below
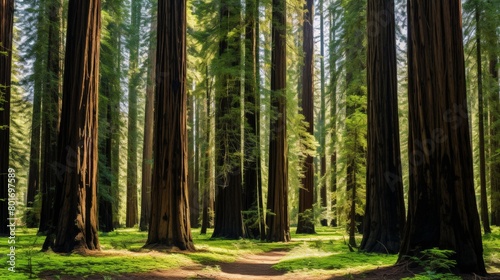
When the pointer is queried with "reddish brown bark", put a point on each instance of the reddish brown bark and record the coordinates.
(169, 224)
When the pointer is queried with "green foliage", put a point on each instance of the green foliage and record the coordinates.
(436, 263)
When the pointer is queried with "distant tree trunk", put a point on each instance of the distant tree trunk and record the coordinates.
(76, 190)
(134, 76)
(252, 167)
(6, 34)
(50, 114)
(170, 199)
(207, 197)
(147, 152)
(306, 192)
(333, 119)
(494, 105)
(278, 221)
(322, 118)
(228, 200)
(485, 217)
(384, 211)
(441, 201)
(35, 147)
(105, 155)
(193, 162)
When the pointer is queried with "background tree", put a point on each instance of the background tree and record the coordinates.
(169, 205)
(306, 192)
(252, 176)
(6, 35)
(228, 200)
(147, 156)
(133, 84)
(384, 212)
(277, 220)
(50, 112)
(441, 203)
(76, 189)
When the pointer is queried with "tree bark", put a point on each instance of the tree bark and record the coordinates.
(50, 114)
(6, 35)
(147, 153)
(278, 221)
(76, 189)
(442, 208)
(134, 76)
(485, 217)
(228, 198)
(207, 200)
(193, 162)
(494, 105)
(169, 224)
(384, 210)
(333, 117)
(306, 192)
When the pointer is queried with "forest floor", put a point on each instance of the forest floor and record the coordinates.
(324, 255)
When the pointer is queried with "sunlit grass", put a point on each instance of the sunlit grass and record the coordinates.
(323, 253)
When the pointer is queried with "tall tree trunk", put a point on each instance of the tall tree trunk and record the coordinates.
(6, 35)
(333, 117)
(228, 200)
(134, 76)
(322, 118)
(252, 167)
(306, 192)
(170, 199)
(147, 153)
(34, 167)
(50, 114)
(278, 221)
(207, 199)
(485, 217)
(384, 211)
(442, 208)
(494, 105)
(193, 162)
(76, 188)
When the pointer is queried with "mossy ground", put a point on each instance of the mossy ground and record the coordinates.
(324, 253)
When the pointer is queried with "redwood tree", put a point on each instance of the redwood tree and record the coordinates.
(75, 215)
(384, 211)
(6, 34)
(306, 192)
(278, 220)
(442, 209)
(169, 224)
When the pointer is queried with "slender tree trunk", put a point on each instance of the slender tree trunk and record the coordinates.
(131, 217)
(207, 200)
(170, 199)
(50, 114)
(322, 118)
(333, 118)
(34, 167)
(6, 35)
(442, 208)
(252, 173)
(278, 221)
(306, 192)
(76, 188)
(482, 157)
(495, 143)
(147, 153)
(193, 162)
(384, 211)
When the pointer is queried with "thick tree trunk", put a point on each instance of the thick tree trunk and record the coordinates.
(6, 35)
(384, 211)
(132, 211)
(147, 153)
(278, 221)
(306, 192)
(50, 115)
(442, 208)
(76, 189)
(169, 224)
(228, 199)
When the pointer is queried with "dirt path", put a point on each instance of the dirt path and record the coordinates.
(248, 267)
